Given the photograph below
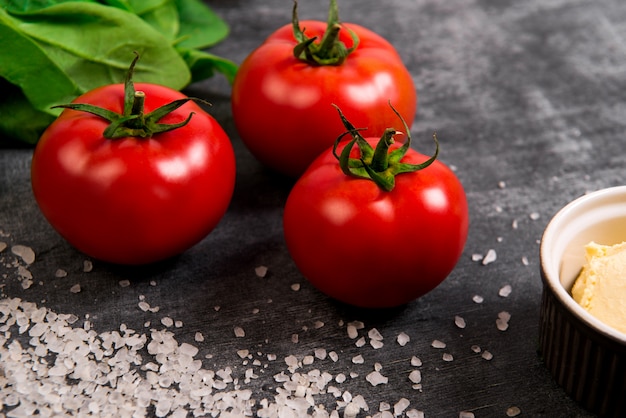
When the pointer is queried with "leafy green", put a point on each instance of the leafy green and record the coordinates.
(55, 50)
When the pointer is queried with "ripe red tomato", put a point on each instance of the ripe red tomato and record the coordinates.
(133, 200)
(369, 247)
(282, 105)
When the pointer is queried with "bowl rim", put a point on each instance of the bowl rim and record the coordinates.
(554, 283)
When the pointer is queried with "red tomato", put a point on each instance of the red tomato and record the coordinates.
(282, 105)
(133, 200)
(373, 248)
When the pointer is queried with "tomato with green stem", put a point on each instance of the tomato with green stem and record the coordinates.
(133, 173)
(283, 91)
(375, 224)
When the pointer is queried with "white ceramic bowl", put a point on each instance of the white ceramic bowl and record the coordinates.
(585, 356)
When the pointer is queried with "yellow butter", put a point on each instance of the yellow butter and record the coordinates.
(601, 286)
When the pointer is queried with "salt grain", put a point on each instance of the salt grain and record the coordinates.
(466, 414)
(60, 273)
(124, 283)
(75, 288)
(239, 332)
(415, 361)
(376, 345)
(358, 359)
(513, 411)
(459, 322)
(415, 376)
(295, 287)
(447, 357)
(477, 299)
(487, 355)
(438, 344)
(260, 271)
(505, 291)
(400, 406)
(490, 257)
(403, 339)
(375, 378)
(25, 253)
(374, 334)
(87, 266)
(534, 216)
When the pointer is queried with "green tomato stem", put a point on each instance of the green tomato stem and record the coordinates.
(378, 164)
(330, 50)
(134, 122)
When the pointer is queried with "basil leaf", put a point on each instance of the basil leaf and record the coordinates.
(94, 43)
(200, 27)
(204, 65)
(161, 14)
(20, 120)
(26, 64)
(14, 6)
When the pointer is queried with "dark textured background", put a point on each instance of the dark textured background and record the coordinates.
(530, 94)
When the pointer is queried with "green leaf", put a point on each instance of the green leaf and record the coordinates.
(204, 65)
(20, 121)
(26, 64)
(94, 43)
(200, 27)
(16, 6)
(160, 14)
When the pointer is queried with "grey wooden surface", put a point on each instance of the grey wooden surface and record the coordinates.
(528, 99)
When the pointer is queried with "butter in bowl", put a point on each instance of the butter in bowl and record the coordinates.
(582, 335)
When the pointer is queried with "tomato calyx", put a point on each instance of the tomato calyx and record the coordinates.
(133, 122)
(378, 164)
(330, 50)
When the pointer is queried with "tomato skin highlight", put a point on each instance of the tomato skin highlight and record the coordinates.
(370, 248)
(132, 200)
(282, 106)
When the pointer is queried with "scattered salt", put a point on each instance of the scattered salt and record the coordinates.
(415, 361)
(478, 299)
(87, 266)
(534, 216)
(75, 288)
(487, 355)
(447, 357)
(295, 287)
(60, 273)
